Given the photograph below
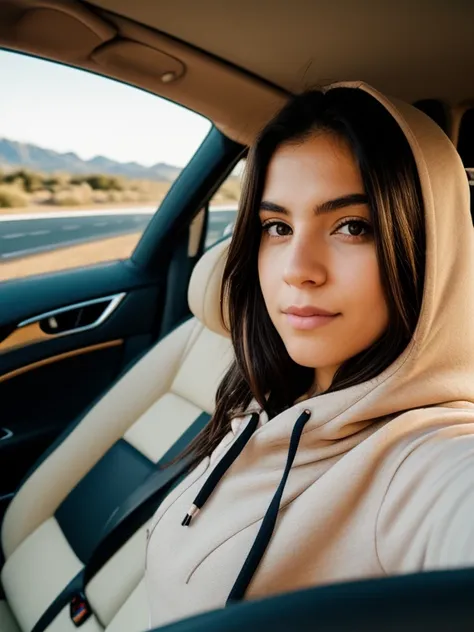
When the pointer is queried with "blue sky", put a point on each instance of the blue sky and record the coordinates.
(66, 109)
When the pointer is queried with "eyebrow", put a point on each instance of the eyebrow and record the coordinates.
(352, 199)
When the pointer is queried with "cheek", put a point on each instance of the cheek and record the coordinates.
(268, 276)
(360, 278)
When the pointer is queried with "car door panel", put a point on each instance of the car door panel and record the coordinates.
(48, 378)
(39, 403)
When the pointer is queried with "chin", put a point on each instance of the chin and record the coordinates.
(312, 356)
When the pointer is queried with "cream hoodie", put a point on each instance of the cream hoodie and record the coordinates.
(383, 478)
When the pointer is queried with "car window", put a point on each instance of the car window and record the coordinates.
(85, 161)
(223, 206)
(466, 143)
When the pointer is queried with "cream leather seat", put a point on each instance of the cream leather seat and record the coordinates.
(55, 517)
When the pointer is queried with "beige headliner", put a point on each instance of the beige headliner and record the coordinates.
(414, 48)
(410, 48)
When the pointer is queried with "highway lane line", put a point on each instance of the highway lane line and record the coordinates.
(71, 227)
(35, 233)
(13, 236)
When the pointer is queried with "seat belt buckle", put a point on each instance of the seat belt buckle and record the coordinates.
(80, 609)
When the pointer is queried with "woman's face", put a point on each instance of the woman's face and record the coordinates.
(317, 255)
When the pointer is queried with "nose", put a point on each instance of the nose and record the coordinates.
(305, 263)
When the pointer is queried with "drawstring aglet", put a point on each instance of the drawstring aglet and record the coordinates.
(189, 516)
(220, 469)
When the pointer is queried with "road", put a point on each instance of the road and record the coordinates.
(24, 235)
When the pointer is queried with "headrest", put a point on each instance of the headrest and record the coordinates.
(204, 292)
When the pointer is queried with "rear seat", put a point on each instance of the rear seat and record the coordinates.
(59, 512)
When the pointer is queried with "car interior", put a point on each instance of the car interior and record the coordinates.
(90, 414)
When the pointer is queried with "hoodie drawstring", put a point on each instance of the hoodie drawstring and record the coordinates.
(269, 520)
(220, 469)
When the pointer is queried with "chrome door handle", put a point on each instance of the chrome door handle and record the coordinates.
(5, 433)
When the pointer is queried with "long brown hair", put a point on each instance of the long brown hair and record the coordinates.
(262, 366)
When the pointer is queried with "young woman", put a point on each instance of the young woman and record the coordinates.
(342, 444)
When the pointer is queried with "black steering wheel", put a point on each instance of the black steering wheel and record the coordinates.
(439, 601)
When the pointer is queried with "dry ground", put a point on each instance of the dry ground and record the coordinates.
(109, 249)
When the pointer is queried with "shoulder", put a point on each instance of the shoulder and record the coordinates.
(431, 490)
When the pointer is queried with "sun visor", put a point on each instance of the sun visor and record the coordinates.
(138, 58)
(44, 25)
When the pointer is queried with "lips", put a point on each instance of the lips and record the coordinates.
(307, 311)
(308, 317)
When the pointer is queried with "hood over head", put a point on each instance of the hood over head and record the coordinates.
(438, 364)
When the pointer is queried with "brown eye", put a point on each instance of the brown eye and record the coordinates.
(276, 229)
(354, 228)
(281, 230)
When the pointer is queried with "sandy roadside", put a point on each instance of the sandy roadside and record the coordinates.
(93, 252)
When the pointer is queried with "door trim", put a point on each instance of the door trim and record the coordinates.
(29, 331)
(58, 358)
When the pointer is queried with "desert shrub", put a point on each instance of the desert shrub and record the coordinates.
(101, 182)
(100, 197)
(29, 181)
(130, 196)
(63, 189)
(72, 195)
(57, 182)
(12, 197)
(26, 180)
(115, 196)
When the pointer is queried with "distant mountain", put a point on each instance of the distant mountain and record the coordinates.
(24, 155)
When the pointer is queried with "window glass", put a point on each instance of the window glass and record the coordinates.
(466, 142)
(85, 161)
(436, 110)
(223, 207)
(466, 149)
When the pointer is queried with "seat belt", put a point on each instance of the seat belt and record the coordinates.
(122, 524)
